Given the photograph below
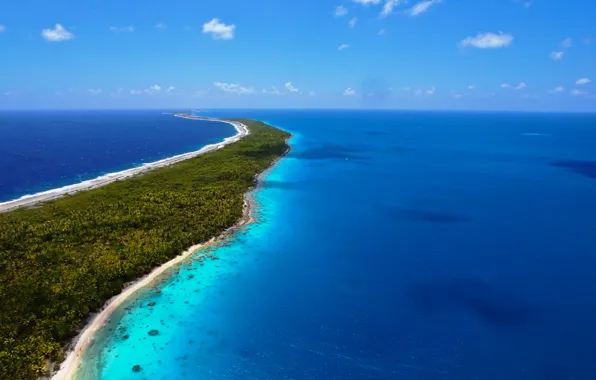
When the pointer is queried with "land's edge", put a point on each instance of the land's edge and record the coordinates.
(78, 345)
(53, 194)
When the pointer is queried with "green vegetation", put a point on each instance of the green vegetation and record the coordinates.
(63, 260)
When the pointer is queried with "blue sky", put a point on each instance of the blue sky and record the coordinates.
(450, 54)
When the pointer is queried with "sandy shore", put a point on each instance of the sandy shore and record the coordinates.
(84, 339)
(31, 200)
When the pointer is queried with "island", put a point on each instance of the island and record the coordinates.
(63, 256)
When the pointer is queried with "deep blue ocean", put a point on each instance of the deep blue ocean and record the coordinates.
(43, 150)
(388, 245)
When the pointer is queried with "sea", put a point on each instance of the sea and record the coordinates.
(43, 150)
(387, 245)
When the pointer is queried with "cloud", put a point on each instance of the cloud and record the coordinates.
(340, 11)
(291, 88)
(471, 87)
(343, 46)
(566, 43)
(170, 89)
(505, 85)
(117, 29)
(312, 93)
(367, 2)
(388, 7)
(353, 22)
(557, 89)
(576, 92)
(582, 81)
(151, 90)
(58, 34)
(234, 88)
(349, 92)
(2, 28)
(422, 7)
(557, 55)
(160, 25)
(430, 91)
(273, 91)
(381, 32)
(219, 30)
(488, 40)
(94, 91)
(520, 86)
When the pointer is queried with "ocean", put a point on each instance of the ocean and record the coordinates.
(388, 245)
(43, 150)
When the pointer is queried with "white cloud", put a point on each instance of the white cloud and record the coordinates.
(58, 34)
(349, 92)
(340, 11)
(557, 55)
(505, 85)
(234, 88)
(576, 92)
(488, 40)
(430, 91)
(566, 43)
(151, 90)
(118, 29)
(353, 22)
(558, 89)
(471, 87)
(407, 88)
(291, 88)
(2, 28)
(388, 7)
(457, 96)
(160, 25)
(381, 32)
(520, 86)
(422, 7)
(367, 2)
(219, 30)
(582, 81)
(170, 89)
(94, 91)
(312, 93)
(343, 46)
(273, 91)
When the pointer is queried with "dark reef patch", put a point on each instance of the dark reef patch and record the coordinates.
(585, 168)
(494, 306)
(430, 216)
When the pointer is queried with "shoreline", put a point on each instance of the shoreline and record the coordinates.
(52, 194)
(80, 343)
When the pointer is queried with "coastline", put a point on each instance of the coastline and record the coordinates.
(79, 344)
(49, 195)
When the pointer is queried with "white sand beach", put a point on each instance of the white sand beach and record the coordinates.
(31, 200)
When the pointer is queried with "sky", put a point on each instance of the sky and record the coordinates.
(517, 55)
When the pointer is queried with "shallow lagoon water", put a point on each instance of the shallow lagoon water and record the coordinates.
(389, 245)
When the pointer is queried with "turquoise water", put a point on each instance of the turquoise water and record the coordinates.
(389, 245)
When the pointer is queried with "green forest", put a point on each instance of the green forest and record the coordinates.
(62, 260)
